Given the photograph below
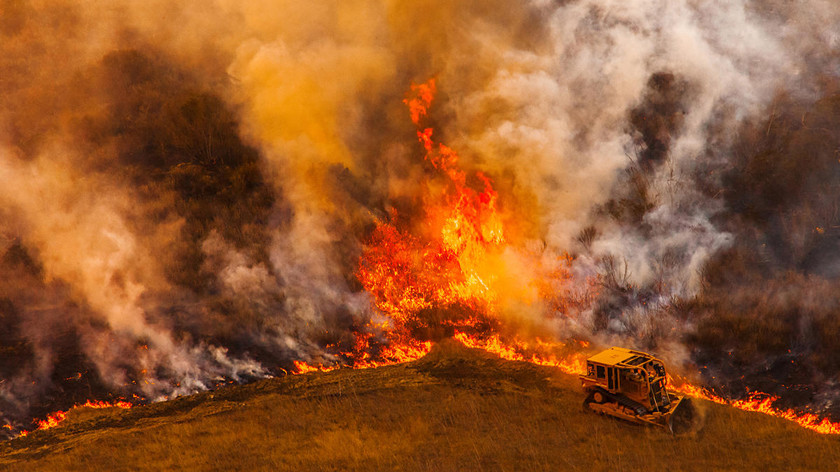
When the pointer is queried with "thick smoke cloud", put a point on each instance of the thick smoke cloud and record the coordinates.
(187, 188)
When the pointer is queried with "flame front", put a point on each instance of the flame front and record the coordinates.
(760, 403)
(54, 419)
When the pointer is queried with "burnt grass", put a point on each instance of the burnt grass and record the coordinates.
(455, 409)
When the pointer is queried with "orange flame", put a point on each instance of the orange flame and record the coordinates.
(455, 262)
(54, 419)
(394, 353)
(576, 364)
(418, 105)
(761, 403)
(304, 368)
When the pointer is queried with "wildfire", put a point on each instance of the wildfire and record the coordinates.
(574, 363)
(304, 368)
(455, 265)
(418, 105)
(539, 352)
(54, 419)
(457, 261)
(761, 403)
(446, 273)
(361, 358)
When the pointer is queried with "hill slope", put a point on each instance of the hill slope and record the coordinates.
(455, 409)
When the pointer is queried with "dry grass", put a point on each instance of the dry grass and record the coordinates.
(454, 410)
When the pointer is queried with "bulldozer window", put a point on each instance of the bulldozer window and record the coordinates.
(601, 372)
(659, 369)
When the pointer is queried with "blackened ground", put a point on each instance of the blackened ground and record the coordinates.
(769, 314)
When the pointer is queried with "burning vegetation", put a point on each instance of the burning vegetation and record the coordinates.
(240, 194)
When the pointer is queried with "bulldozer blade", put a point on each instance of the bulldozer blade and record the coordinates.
(682, 418)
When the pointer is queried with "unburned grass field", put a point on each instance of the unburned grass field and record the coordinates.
(455, 409)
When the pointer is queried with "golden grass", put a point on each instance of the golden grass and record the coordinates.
(457, 409)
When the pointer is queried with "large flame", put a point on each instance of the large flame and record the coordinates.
(458, 259)
(452, 273)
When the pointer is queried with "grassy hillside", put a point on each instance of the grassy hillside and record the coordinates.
(455, 409)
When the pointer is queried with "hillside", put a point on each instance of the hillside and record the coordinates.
(455, 409)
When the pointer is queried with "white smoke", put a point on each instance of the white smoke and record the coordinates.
(563, 110)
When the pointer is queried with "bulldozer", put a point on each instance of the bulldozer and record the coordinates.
(631, 385)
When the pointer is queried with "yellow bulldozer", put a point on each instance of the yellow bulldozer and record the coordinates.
(631, 385)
